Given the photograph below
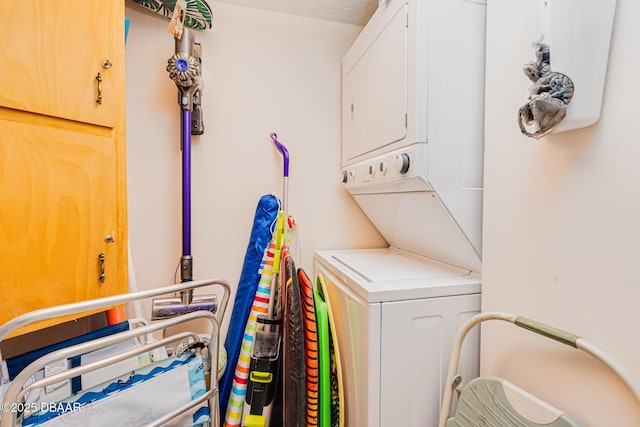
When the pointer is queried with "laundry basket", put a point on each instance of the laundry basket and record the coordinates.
(494, 401)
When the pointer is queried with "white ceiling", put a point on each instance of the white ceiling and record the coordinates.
(350, 11)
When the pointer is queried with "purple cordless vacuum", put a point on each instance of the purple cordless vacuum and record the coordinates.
(185, 69)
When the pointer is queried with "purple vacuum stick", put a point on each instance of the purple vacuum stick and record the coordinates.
(185, 69)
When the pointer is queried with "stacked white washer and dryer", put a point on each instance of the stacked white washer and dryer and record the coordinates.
(412, 151)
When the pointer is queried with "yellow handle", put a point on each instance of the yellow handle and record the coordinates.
(261, 377)
(280, 233)
(255, 421)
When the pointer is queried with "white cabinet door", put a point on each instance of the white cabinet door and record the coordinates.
(374, 88)
(416, 341)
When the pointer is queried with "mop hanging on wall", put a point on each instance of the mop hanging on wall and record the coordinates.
(248, 398)
(197, 13)
(549, 96)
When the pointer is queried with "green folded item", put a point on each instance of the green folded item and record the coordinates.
(198, 13)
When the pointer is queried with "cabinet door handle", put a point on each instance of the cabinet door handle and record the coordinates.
(101, 258)
(99, 84)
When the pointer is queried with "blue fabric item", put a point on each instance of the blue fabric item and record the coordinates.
(126, 28)
(266, 214)
(18, 363)
(76, 382)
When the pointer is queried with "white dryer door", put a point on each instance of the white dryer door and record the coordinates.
(374, 89)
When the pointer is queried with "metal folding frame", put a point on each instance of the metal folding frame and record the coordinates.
(17, 390)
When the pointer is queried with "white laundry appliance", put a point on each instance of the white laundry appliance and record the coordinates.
(412, 151)
(396, 316)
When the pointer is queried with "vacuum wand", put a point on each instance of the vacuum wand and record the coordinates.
(186, 261)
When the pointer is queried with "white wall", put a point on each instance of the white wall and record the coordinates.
(562, 228)
(263, 72)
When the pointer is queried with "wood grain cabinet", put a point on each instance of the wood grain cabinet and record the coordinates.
(63, 234)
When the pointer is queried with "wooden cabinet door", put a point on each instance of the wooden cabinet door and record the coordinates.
(62, 154)
(52, 52)
(58, 204)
